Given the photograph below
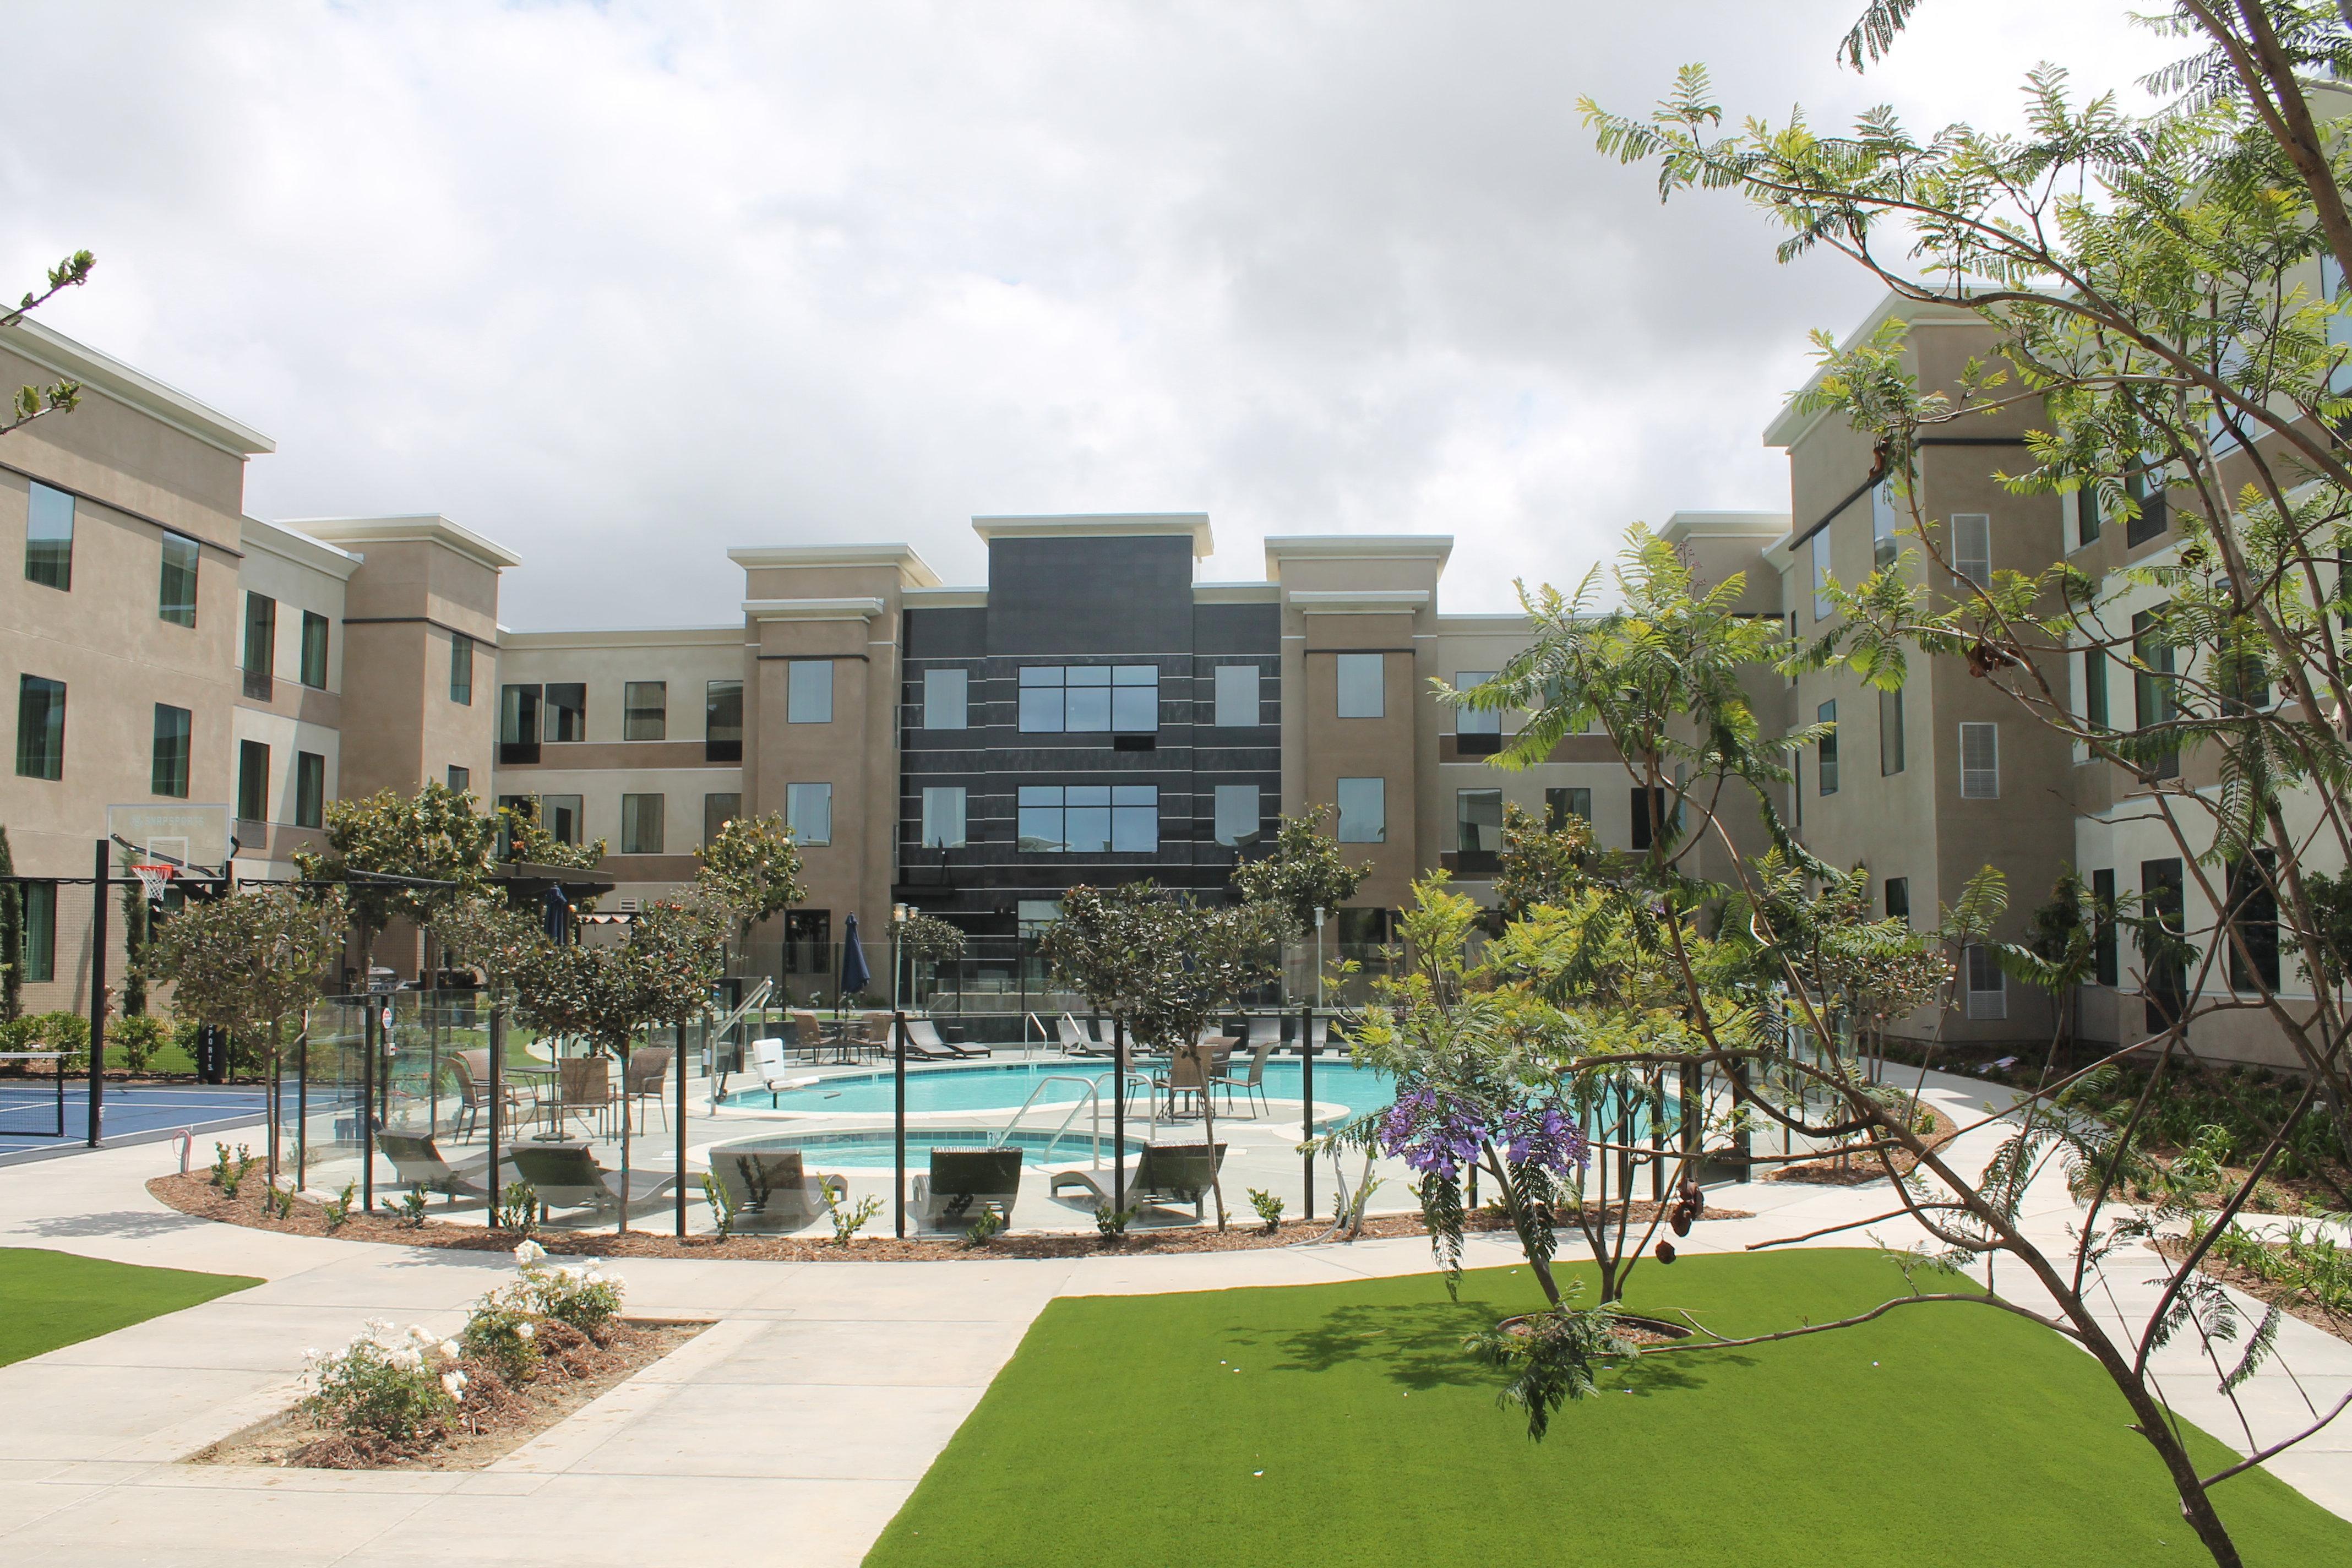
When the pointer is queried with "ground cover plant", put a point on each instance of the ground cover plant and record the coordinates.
(1342, 1425)
(53, 1299)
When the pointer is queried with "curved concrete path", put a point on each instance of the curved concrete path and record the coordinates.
(789, 1433)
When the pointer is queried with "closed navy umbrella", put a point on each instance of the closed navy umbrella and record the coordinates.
(854, 972)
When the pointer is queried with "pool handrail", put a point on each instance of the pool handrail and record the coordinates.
(1092, 1098)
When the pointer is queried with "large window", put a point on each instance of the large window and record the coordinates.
(561, 814)
(40, 939)
(1898, 899)
(1973, 547)
(2155, 701)
(1825, 751)
(1821, 559)
(808, 811)
(1476, 734)
(1560, 804)
(2086, 514)
(1890, 732)
(169, 772)
(2254, 904)
(518, 723)
(644, 710)
(641, 823)
(2147, 492)
(461, 669)
(1363, 680)
(2094, 688)
(1884, 519)
(567, 710)
(1988, 992)
(719, 809)
(1090, 698)
(48, 537)
(1363, 810)
(947, 699)
(943, 816)
(252, 782)
(1649, 808)
(260, 644)
(1088, 819)
(1240, 810)
(310, 789)
(460, 779)
(2105, 969)
(2164, 955)
(722, 721)
(175, 598)
(314, 650)
(40, 728)
(1238, 696)
(1478, 828)
(808, 692)
(1979, 761)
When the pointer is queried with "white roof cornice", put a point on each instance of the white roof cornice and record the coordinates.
(859, 609)
(59, 355)
(912, 568)
(424, 528)
(1358, 601)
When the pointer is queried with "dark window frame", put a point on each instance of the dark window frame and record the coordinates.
(176, 575)
(171, 754)
(48, 760)
(253, 781)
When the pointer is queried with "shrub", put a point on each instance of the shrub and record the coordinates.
(517, 1209)
(66, 1032)
(584, 1296)
(979, 1231)
(1268, 1207)
(338, 1209)
(1110, 1223)
(385, 1384)
(722, 1205)
(848, 1222)
(133, 1042)
(409, 1212)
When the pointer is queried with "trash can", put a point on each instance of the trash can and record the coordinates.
(212, 1054)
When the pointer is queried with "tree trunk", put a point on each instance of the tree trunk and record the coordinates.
(1201, 1064)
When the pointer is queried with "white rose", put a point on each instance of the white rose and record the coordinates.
(526, 1332)
(422, 1335)
(449, 1348)
(529, 1253)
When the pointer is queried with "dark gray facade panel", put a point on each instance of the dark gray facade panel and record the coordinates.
(1096, 597)
(960, 633)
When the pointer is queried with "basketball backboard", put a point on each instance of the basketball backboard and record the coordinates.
(191, 839)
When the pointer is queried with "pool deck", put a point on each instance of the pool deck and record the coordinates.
(823, 1390)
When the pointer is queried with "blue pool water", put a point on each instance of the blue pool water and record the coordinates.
(1004, 1086)
(862, 1147)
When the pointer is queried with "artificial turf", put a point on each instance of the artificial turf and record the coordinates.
(52, 1299)
(1343, 1425)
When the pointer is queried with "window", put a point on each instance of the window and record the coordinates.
(2164, 979)
(808, 692)
(567, 710)
(2154, 700)
(2241, 674)
(1035, 915)
(175, 599)
(252, 782)
(1091, 698)
(1363, 680)
(40, 938)
(2147, 490)
(560, 815)
(461, 669)
(1237, 697)
(460, 779)
(1884, 520)
(1239, 808)
(1973, 547)
(2086, 514)
(947, 699)
(260, 644)
(518, 723)
(1898, 899)
(314, 650)
(1468, 720)
(1825, 758)
(2103, 968)
(1478, 828)
(1362, 928)
(169, 773)
(310, 789)
(1088, 819)
(40, 728)
(644, 710)
(1649, 813)
(722, 721)
(2094, 688)
(943, 816)
(718, 810)
(1988, 995)
(1820, 552)
(641, 823)
(808, 811)
(1560, 804)
(2253, 903)
(1363, 811)
(808, 942)
(49, 538)
(1890, 732)
(1979, 761)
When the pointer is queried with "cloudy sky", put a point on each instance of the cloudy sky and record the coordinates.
(622, 285)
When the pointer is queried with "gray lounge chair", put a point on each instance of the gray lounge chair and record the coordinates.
(963, 1181)
(771, 1188)
(419, 1163)
(1164, 1176)
(924, 1033)
(566, 1175)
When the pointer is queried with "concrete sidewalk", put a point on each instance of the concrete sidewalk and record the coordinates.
(829, 1388)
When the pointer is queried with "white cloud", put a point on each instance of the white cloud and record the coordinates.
(624, 285)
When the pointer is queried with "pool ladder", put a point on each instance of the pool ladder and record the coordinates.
(1093, 1099)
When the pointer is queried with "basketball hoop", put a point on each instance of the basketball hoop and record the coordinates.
(156, 879)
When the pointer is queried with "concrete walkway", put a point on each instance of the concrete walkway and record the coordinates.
(790, 1432)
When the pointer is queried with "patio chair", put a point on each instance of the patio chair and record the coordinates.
(583, 1085)
(419, 1163)
(1192, 1071)
(472, 1071)
(769, 1187)
(1164, 1176)
(808, 1031)
(1255, 1084)
(964, 1181)
(642, 1079)
(924, 1034)
(566, 1175)
(768, 1067)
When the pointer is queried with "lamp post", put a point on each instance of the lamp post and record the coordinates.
(898, 913)
(1318, 958)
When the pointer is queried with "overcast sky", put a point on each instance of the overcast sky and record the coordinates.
(623, 285)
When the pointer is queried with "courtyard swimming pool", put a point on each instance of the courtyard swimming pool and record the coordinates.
(868, 1148)
(1004, 1086)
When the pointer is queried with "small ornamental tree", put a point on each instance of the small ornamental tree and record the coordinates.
(751, 867)
(1541, 864)
(401, 857)
(249, 964)
(525, 839)
(1304, 873)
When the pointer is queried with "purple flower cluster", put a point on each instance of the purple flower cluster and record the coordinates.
(1439, 1135)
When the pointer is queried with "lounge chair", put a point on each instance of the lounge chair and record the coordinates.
(963, 1181)
(768, 1067)
(1075, 1040)
(1164, 1176)
(566, 1175)
(924, 1033)
(420, 1163)
(771, 1188)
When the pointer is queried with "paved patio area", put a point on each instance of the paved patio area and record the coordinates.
(788, 1433)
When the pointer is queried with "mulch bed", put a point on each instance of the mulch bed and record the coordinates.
(496, 1419)
(2286, 1297)
(1860, 1170)
(196, 1195)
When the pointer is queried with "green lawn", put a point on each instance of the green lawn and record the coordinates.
(1342, 1425)
(52, 1299)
